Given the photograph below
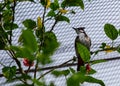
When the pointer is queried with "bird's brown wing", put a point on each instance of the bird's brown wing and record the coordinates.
(88, 42)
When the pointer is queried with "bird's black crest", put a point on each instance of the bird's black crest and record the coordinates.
(80, 28)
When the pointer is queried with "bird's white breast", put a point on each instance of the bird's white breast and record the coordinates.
(84, 40)
(82, 37)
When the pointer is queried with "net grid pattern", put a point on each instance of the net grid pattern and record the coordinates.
(95, 15)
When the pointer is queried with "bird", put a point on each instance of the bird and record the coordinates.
(83, 39)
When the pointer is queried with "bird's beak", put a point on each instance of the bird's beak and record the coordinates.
(74, 28)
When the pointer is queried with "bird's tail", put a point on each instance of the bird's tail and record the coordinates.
(79, 64)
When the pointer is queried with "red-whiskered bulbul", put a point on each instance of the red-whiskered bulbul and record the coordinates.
(82, 38)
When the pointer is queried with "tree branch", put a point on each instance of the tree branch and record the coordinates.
(13, 16)
(65, 65)
(55, 68)
(106, 49)
(17, 61)
(55, 21)
(53, 25)
(12, 55)
(36, 66)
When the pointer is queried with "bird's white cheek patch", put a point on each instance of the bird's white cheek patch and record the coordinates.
(81, 31)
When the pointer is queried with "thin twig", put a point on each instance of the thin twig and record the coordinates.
(106, 49)
(55, 68)
(22, 80)
(17, 61)
(3, 6)
(2, 64)
(28, 69)
(55, 22)
(48, 19)
(36, 66)
(43, 17)
(11, 52)
(12, 55)
(53, 25)
(13, 16)
(11, 62)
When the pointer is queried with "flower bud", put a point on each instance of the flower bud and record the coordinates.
(27, 62)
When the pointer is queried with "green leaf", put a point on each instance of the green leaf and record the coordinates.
(43, 2)
(24, 76)
(2, 41)
(51, 13)
(7, 16)
(10, 26)
(40, 32)
(70, 3)
(62, 18)
(29, 24)
(96, 52)
(72, 12)
(20, 39)
(56, 2)
(56, 73)
(118, 50)
(84, 52)
(98, 61)
(54, 6)
(83, 70)
(78, 78)
(3, 37)
(51, 84)
(75, 79)
(94, 80)
(65, 72)
(111, 31)
(9, 72)
(92, 71)
(2, 44)
(50, 43)
(29, 40)
(3, 34)
(18, 51)
(38, 83)
(60, 73)
(23, 52)
(43, 58)
(119, 31)
(81, 4)
(103, 45)
(72, 70)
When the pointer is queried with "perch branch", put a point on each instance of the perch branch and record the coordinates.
(55, 68)
(65, 65)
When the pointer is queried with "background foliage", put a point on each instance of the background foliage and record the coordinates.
(36, 45)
